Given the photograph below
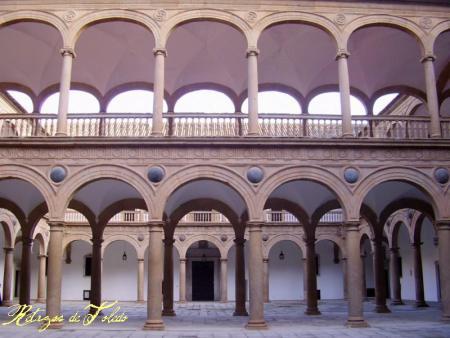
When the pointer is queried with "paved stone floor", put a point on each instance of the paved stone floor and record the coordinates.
(285, 319)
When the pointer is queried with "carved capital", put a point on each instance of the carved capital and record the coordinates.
(56, 226)
(239, 241)
(342, 54)
(443, 226)
(429, 56)
(66, 51)
(160, 51)
(8, 250)
(253, 51)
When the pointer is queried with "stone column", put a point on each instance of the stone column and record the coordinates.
(54, 272)
(140, 280)
(155, 277)
(443, 232)
(168, 278)
(96, 273)
(256, 281)
(344, 269)
(344, 89)
(363, 282)
(305, 291)
(253, 124)
(354, 277)
(158, 91)
(223, 280)
(432, 97)
(64, 88)
(240, 293)
(380, 286)
(311, 278)
(25, 271)
(41, 279)
(266, 279)
(396, 289)
(7, 276)
(183, 280)
(418, 275)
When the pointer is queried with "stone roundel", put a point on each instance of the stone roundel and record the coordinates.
(155, 174)
(255, 174)
(351, 175)
(58, 174)
(441, 175)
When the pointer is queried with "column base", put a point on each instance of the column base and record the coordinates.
(157, 133)
(168, 313)
(140, 301)
(224, 301)
(356, 323)
(60, 134)
(40, 300)
(382, 309)
(7, 303)
(397, 302)
(312, 312)
(55, 326)
(156, 325)
(256, 325)
(445, 318)
(240, 313)
(421, 303)
(347, 135)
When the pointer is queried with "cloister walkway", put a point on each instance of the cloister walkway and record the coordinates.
(213, 319)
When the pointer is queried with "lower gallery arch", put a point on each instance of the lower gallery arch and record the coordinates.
(330, 270)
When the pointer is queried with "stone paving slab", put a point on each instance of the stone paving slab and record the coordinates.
(215, 320)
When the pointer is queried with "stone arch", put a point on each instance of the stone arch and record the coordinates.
(210, 238)
(38, 16)
(35, 178)
(212, 172)
(404, 174)
(8, 229)
(113, 15)
(405, 25)
(126, 238)
(39, 237)
(394, 227)
(416, 226)
(334, 239)
(309, 173)
(299, 17)
(438, 30)
(297, 240)
(84, 237)
(204, 15)
(102, 171)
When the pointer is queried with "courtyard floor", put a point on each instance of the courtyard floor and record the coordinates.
(211, 319)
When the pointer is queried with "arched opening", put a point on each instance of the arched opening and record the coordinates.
(368, 273)
(330, 104)
(382, 102)
(204, 101)
(329, 270)
(274, 102)
(133, 101)
(23, 99)
(79, 102)
(77, 271)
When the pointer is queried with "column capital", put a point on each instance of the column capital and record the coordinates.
(155, 225)
(309, 241)
(141, 259)
(351, 226)
(342, 54)
(160, 51)
(96, 241)
(255, 225)
(68, 51)
(183, 260)
(428, 57)
(239, 241)
(416, 244)
(7, 250)
(394, 250)
(42, 256)
(27, 241)
(442, 225)
(224, 260)
(265, 260)
(252, 51)
(168, 241)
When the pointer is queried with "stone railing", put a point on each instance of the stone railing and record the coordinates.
(219, 125)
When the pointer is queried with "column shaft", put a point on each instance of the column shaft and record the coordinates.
(182, 280)
(432, 97)
(354, 277)
(168, 278)
(155, 278)
(266, 280)
(240, 293)
(344, 269)
(380, 286)
(223, 280)
(396, 288)
(140, 281)
(256, 283)
(96, 273)
(311, 279)
(64, 90)
(344, 89)
(158, 92)
(41, 279)
(8, 276)
(54, 273)
(253, 124)
(418, 275)
(25, 271)
(443, 231)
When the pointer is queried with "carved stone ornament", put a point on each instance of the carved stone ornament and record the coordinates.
(255, 175)
(141, 237)
(426, 23)
(58, 174)
(69, 16)
(251, 17)
(441, 175)
(340, 19)
(223, 238)
(265, 237)
(351, 175)
(182, 238)
(160, 15)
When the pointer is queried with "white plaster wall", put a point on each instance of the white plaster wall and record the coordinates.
(330, 281)
(368, 265)
(119, 277)
(406, 253)
(429, 257)
(285, 276)
(73, 279)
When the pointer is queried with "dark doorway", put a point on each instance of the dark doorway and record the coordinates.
(202, 281)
